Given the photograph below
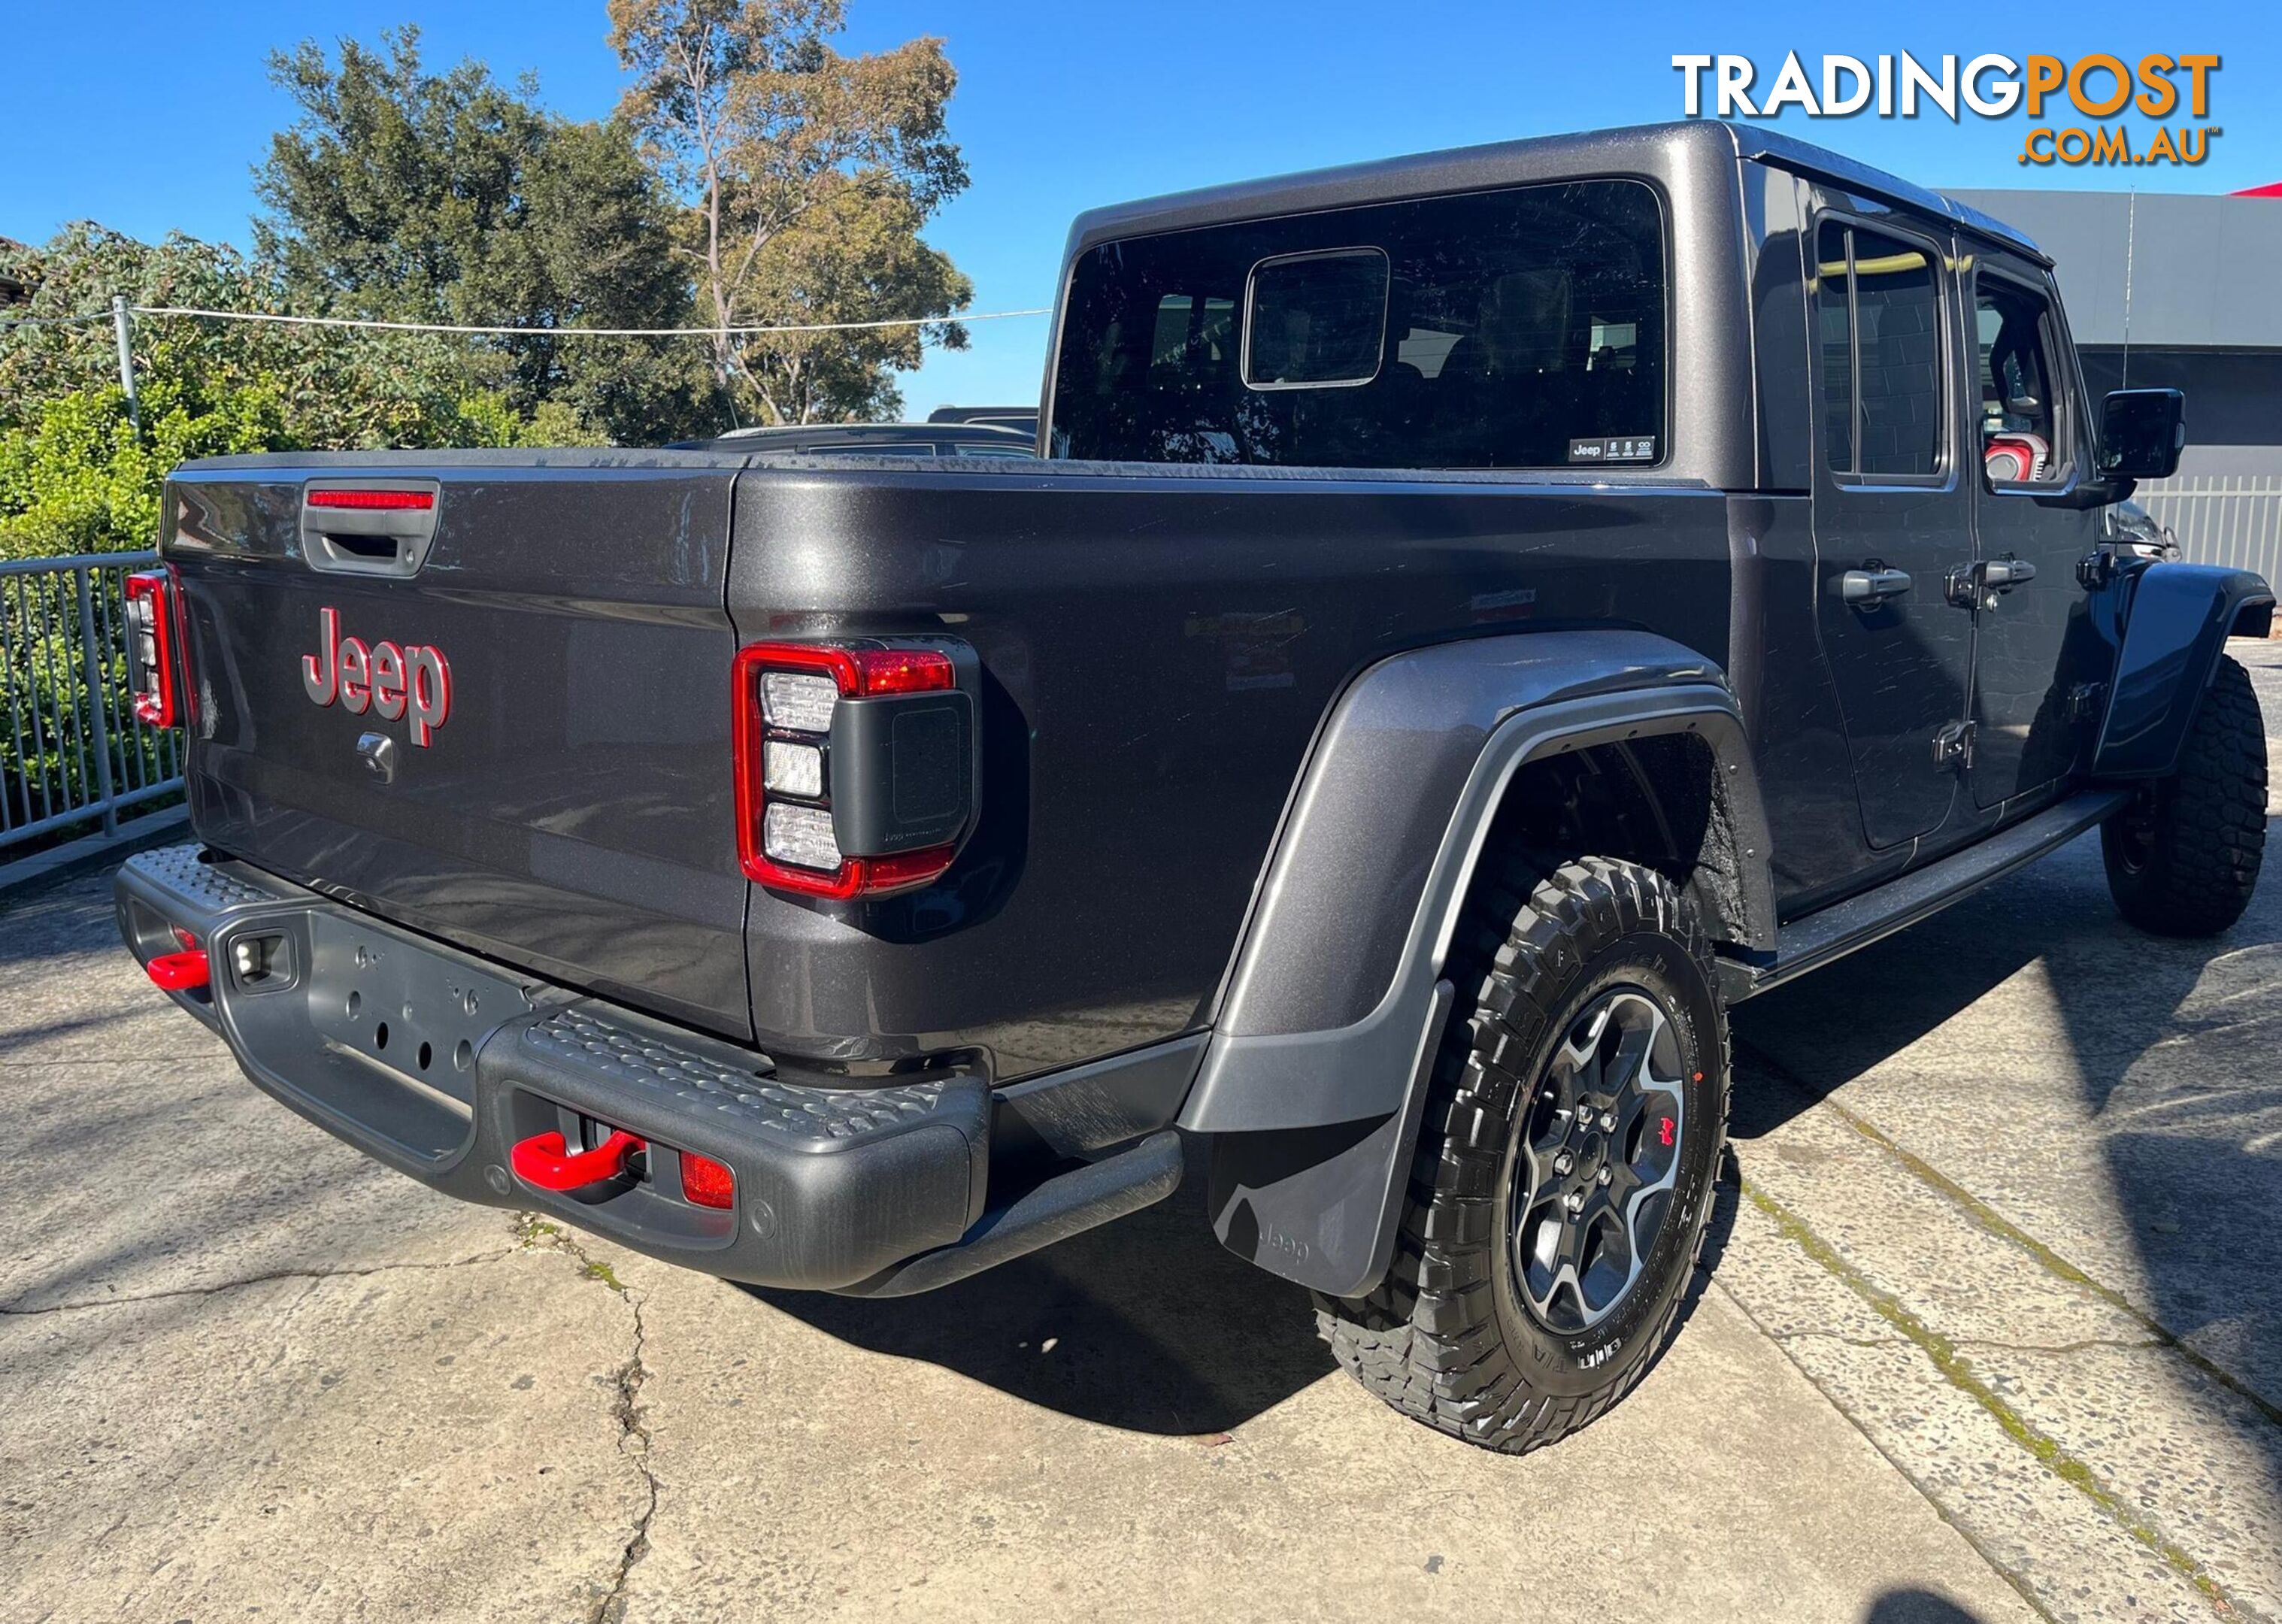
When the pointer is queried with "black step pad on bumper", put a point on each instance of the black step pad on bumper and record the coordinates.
(437, 1063)
(834, 1185)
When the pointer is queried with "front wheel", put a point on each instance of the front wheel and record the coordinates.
(2183, 857)
(1566, 1164)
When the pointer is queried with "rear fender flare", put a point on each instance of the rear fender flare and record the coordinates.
(1315, 1073)
(2176, 628)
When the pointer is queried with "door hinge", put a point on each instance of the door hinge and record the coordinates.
(1952, 747)
(2086, 700)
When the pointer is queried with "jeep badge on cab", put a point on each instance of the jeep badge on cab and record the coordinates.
(1476, 618)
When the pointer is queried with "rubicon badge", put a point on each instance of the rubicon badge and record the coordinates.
(389, 679)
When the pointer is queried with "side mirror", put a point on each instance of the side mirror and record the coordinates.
(2141, 433)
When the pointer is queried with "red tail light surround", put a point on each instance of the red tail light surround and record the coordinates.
(855, 674)
(150, 598)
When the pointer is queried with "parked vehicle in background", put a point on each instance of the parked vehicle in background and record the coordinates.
(2128, 524)
(1482, 616)
(874, 439)
(1021, 419)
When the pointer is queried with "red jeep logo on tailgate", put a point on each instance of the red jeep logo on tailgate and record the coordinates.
(385, 678)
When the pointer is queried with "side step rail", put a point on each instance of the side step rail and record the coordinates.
(1833, 932)
(1067, 1204)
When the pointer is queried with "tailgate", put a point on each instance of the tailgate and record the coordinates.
(498, 714)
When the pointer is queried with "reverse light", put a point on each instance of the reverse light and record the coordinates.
(801, 836)
(150, 648)
(855, 765)
(707, 1183)
(798, 700)
(792, 769)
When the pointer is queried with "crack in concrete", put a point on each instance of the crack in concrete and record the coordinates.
(1995, 1344)
(1941, 1352)
(12, 1312)
(634, 1444)
(1989, 1220)
(532, 1232)
(1788, 1337)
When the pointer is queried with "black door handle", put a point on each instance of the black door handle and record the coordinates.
(1868, 588)
(1976, 586)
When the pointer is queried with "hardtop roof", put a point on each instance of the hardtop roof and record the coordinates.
(1634, 149)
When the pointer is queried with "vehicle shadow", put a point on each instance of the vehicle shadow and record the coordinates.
(1146, 1324)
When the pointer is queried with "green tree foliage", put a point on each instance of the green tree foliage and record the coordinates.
(753, 174)
(403, 194)
(809, 175)
(73, 474)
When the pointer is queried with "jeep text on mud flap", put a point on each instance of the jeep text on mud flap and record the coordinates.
(1479, 615)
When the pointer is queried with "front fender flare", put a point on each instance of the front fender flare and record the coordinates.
(2175, 630)
(1315, 1073)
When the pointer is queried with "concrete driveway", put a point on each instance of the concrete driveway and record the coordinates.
(1994, 1332)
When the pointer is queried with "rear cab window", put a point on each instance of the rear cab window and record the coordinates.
(1518, 328)
(1878, 335)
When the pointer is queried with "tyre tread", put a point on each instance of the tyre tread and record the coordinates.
(2210, 837)
(1426, 1341)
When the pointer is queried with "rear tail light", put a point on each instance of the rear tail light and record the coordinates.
(855, 772)
(150, 648)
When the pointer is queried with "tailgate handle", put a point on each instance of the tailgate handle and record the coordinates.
(546, 1161)
(369, 526)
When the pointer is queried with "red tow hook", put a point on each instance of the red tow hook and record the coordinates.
(181, 972)
(546, 1161)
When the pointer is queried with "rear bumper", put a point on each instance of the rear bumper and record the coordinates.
(437, 1063)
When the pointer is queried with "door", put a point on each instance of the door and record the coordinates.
(2038, 662)
(1891, 514)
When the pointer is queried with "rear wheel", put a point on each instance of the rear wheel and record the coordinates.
(2183, 859)
(1566, 1164)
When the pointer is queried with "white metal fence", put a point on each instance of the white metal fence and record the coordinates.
(2233, 520)
(71, 750)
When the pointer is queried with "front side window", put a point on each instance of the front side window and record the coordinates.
(1516, 329)
(1878, 326)
(2019, 441)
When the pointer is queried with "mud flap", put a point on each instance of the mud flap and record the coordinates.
(1320, 1205)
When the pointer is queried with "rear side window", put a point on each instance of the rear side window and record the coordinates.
(1316, 320)
(1516, 329)
(1878, 327)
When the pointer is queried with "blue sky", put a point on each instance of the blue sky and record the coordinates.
(150, 117)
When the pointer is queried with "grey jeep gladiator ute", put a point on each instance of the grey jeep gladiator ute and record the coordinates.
(1473, 620)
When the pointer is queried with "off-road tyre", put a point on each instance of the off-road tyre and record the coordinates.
(2183, 857)
(1448, 1336)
